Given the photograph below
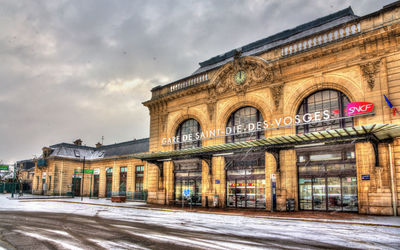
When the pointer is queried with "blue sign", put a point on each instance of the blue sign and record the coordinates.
(186, 192)
(365, 177)
(216, 181)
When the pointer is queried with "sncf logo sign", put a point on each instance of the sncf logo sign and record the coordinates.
(356, 108)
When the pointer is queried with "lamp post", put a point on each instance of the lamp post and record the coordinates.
(13, 188)
(83, 178)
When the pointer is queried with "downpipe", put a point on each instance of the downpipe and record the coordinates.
(394, 203)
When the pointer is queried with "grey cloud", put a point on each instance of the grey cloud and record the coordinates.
(72, 69)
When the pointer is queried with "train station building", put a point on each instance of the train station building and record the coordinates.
(298, 118)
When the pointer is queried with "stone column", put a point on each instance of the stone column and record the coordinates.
(206, 185)
(130, 176)
(115, 181)
(102, 182)
(218, 173)
(270, 168)
(169, 182)
(286, 179)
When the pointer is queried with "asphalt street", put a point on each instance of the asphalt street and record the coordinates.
(69, 224)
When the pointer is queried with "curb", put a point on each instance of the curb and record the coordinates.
(222, 213)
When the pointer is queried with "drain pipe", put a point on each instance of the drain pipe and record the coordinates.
(394, 203)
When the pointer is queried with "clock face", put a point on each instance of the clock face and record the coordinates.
(240, 77)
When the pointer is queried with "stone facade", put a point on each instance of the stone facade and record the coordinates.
(364, 65)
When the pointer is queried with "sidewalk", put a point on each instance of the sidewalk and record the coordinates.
(310, 216)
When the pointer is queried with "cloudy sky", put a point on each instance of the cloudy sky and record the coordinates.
(81, 69)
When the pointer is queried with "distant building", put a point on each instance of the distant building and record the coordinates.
(25, 174)
(109, 170)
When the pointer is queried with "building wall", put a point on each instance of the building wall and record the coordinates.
(364, 67)
(62, 172)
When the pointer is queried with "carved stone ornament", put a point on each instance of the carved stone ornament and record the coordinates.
(257, 72)
(369, 71)
(277, 94)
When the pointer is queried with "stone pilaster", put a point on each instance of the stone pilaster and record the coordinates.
(287, 181)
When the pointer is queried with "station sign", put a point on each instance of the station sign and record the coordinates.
(4, 167)
(357, 108)
(87, 171)
(353, 109)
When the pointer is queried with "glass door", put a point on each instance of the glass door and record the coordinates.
(251, 193)
(260, 193)
(240, 193)
(349, 194)
(305, 190)
(319, 194)
(231, 192)
(334, 194)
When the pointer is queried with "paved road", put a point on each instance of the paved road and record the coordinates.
(39, 230)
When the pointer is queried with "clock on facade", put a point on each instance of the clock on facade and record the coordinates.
(240, 77)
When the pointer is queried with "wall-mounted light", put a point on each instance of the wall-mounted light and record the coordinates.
(223, 154)
(310, 145)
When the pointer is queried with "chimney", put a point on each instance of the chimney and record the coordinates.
(98, 145)
(78, 142)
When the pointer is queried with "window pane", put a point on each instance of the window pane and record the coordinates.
(242, 118)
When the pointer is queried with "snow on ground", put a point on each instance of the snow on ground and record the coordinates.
(345, 235)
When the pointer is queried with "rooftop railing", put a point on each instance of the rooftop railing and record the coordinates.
(320, 39)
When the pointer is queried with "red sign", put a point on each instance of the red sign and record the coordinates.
(356, 108)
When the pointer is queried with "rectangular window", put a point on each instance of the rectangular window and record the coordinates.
(37, 182)
(122, 180)
(139, 173)
(49, 183)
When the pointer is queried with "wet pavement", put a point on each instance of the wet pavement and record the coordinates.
(100, 224)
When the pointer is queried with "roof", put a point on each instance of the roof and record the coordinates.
(378, 132)
(26, 164)
(281, 38)
(68, 150)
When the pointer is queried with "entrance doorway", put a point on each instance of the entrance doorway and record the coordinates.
(76, 183)
(327, 179)
(188, 177)
(109, 173)
(245, 176)
(96, 184)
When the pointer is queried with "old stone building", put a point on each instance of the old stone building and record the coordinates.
(101, 171)
(298, 116)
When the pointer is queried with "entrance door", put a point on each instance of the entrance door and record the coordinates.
(96, 184)
(319, 194)
(77, 186)
(246, 188)
(109, 185)
(327, 178)
(194, 187)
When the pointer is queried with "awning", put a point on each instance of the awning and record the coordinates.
(375, 133)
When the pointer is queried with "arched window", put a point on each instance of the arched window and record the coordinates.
(187, 132)
(243, 125)
(328, 99)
